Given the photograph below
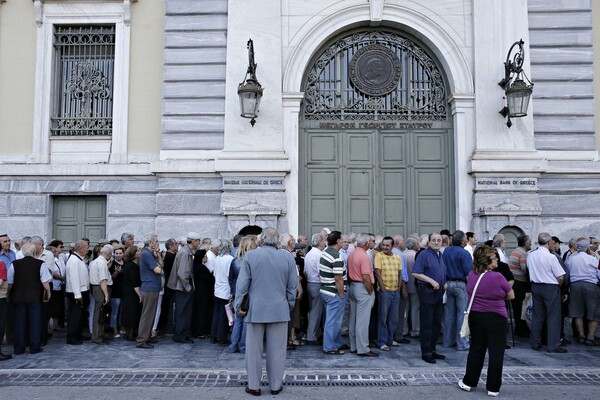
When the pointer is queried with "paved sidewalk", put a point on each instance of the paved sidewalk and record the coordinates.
(203, 364)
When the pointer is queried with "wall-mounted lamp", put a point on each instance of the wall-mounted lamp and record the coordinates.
(249, 90)
(517, 87)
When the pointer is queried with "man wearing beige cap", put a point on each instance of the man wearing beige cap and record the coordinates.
(181, 282)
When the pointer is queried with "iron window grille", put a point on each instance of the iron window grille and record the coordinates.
(83, 80)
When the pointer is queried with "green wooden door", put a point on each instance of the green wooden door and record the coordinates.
(385, 182)
(76, 217)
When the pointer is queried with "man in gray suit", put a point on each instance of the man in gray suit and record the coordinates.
(270, 279)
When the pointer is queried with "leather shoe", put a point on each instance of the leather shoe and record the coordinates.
(4, 357)
(145, 346)
(404, 341)
(369, 354)
(276, 392)
(253, 392)
(438, 356)
(429, 359)
(152, 340)
(560, 350)
(75, 343)
(344, 347)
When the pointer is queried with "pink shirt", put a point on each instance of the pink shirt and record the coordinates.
(359, 264)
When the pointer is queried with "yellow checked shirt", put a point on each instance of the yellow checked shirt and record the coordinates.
(390, 267)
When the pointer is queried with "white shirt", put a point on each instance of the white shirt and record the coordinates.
(311, 265)
(583, 268)
(210, 263)
(58, 268)
(99, 271)
(221, 273)
(543, 266)
(44, 274)
(502, 255)
(78, 279)
(469, 248)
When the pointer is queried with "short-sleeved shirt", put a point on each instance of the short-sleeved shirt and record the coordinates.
(583, 268)
(491, 292)
(458, 263)
(390, 266)
(544, 267)
(359, 264)
(99, 271)
(150, 280)
(330, 265)
(3, 278)
(399, 252)
(517, 261)
(430, 263)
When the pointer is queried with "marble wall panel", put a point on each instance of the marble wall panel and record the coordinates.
(166, 185)
(195, 55)
(511, 201)
(3, 204)
(196, 22)
(561, 73)
(188, 203)
(568, 183)
(570, 204)
(190, 107)
(570, 227)
(213, 226)
(173, 7)
(563, 55)
(192, 39)
(562, 20)
(17, 227)
(563, 124)
(558, 141)
(563, 89)
(194, 90)
(560, 5)
(192, 141)
(561, 38)
(193, 72)
(199, 123)
(28, 204)
(141, 227)
(78, 186)
(276, 200)
(131, 205)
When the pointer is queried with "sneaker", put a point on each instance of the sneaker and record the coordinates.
(463, 386)
(384, 347)
(396, 344)
(493, 394)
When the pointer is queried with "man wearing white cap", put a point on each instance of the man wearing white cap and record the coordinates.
(181, 282)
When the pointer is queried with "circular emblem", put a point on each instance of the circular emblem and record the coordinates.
(375, 70)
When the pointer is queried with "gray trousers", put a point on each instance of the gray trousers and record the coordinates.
(149, 304)
(315, 314)
(97, 331)
(414, 314)
(361, 303)
(546, 307)
(276, 340)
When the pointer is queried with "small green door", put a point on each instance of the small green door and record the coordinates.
(76, 217)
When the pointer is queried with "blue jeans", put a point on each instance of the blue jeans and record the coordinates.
(238, 335)
(387, 314)
(457, 301)
(115, 305)
(334, 312)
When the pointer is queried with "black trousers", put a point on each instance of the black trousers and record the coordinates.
(3, 319)
(220, 324)
(183, 314)
(430, 317)
(488, 333)
(28, 325)
(520, 289)
(75, 316)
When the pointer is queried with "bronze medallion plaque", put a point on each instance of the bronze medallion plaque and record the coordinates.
(375, 70)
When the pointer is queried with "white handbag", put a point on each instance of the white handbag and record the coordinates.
(464, 329)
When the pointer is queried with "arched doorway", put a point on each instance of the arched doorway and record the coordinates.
(376, 139)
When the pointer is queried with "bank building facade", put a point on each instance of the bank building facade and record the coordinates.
(376, 115)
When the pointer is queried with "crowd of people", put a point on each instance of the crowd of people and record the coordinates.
(380, 292)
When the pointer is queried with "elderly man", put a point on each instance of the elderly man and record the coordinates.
(27, 287)
(77, 292)
(181, 282)
(311, 271)
(100, 283)
(398, 249)
(127, 240)
(499, 243)
(518, 266)
(546, 276)
(388, 272)
(585, 293)
(361, 296)
(412, 247)
(151, 267)
(269, 278)
(458, 263)
(430, 275)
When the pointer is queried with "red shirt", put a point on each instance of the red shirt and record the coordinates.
(359, 264)
(3, 273)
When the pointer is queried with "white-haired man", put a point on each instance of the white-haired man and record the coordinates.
(100, 283)
(151, 267)
(311, 271)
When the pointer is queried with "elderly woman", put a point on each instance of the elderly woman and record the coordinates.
(220, 324)
(585, 293)
(131, 308)
(204, 296)
(488, 320)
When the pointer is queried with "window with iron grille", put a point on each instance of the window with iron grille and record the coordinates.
(83, 80)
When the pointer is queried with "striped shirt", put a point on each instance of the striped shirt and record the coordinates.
(331, 264)
(518, 264)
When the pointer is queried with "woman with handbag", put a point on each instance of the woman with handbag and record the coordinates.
(488, 320)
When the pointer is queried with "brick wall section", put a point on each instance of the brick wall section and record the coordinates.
(193, 111)
(561, 55)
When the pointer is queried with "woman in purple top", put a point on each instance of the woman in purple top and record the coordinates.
(487, 321)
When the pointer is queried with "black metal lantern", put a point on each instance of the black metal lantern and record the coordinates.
(250, 90)
(517, 87)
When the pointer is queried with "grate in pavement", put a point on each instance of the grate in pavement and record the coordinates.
(230, 379)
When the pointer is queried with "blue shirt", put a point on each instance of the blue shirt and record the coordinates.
(431, 264)
(8, 258)
(399, 252)
(150, 280)
(458, 263)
